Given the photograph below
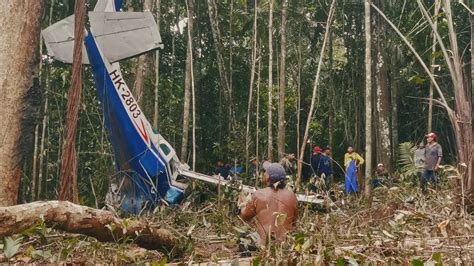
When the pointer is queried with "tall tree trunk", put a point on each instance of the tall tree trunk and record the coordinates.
(257, 118)
(142, 66)
(394, 103)
(383, 140)
(282, 82)
(315, 91)
(270, 84)
(190, 10)
(462, 119)
(472, 95)
(187, 83)
(68, 176)
(45, 119)
(231, 43)
(331, 93)
(35, 164)
(223, 75)
(433, 61)
(157, 70)
(298, 99)
(252, 79)
(18, 47)
(368, 102)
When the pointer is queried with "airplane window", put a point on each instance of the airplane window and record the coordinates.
(166, 150)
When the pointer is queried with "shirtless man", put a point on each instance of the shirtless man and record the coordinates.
(274, 207)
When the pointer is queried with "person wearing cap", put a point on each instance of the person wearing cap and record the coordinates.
(433, 155)
(274, 207)
(381, 176)
(315, 157)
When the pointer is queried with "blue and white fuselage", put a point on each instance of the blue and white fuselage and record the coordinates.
(142, 156)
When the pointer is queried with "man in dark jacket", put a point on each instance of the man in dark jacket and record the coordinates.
(315, 159)
(325, 168)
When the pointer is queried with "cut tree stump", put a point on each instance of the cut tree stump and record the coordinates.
(74, 218)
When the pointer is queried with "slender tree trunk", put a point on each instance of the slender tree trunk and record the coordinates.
(187, 83)
(252, 80)
(35, 165)
(394, 103)
(368, 102)
(298, 99)
(282, 82)
(231, 45)
(142, 66)
(470, 181)
(157, 70)
(18, 46)
(68, 176)
(383, 140)
(331, 94)
(45, 120)
(433, 61)
(190, 12)
(223, 75)
(173, 39)
(462, 119)
(257, 118)
(270, 83)
(315, 91)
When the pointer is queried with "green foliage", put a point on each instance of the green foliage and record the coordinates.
(11, 246)
(407, 168)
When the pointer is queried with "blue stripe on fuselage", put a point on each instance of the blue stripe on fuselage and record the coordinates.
(131, 152)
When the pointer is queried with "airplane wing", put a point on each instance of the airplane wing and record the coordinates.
(120, 35)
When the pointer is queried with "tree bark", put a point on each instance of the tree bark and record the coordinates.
(462, 118)
(382, 136)
(35, 164)
(142, 66)
(157, 70)
(282, 82)
(257, 122)
(187, 84)
(45, 121)
(368, 102)
(394, 104)
(190, 11)
(270, 84)
(298, 98)
(18, 45)
(433, 59)
(252, 81)
(84, 220)
(68, 176)
(315, 91)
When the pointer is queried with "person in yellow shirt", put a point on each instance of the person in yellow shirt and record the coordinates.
(352, 155)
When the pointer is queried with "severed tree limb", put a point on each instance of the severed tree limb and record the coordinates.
(84, 220)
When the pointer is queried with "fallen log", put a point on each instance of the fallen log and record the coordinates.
(73, 218)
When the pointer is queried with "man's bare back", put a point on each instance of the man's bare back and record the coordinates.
(275, 210)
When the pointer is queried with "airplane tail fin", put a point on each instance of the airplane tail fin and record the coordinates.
(120, 35)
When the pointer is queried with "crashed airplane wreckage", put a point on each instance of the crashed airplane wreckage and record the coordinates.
(145, 160)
